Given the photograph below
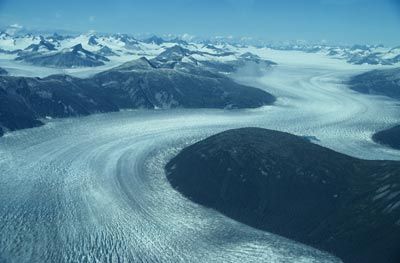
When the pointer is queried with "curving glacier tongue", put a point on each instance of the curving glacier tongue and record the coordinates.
(93, 189)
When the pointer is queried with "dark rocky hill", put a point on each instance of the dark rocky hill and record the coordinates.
(381, 82)
(286, 185)
(3, 72)
(389, 137)
(137, 84)
(378, 82)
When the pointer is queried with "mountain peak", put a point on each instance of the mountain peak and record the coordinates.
(154, 40)
(175, 53)
(93, 40)
(77, 48)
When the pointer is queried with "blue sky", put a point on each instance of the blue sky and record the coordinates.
(337, 21)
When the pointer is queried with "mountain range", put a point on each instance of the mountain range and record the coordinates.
(91, 50)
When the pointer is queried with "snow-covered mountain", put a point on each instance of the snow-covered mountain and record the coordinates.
(75, 56)
(42, 46)
(94, 50)
(356, 54)
(362, 54)
(91, 50)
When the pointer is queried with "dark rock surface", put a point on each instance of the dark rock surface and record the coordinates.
(378, 82)
(3, 72)
(389, 137)
(286, 185)
(381, 82)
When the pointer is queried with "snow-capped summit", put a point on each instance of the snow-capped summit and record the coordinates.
(360, 47)
(42, 46)
(179, 41)
(129, 41)
(56, 37)
(218, 54)
(139, 64)
(175, 53)
(93, 41)
(4, 35)
(106, 52)
(75, 56)
(154, 40)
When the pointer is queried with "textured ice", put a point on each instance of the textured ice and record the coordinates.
(93, 189)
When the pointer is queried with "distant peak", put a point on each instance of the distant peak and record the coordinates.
(155, 40)
(77, 47)
(93, 40)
